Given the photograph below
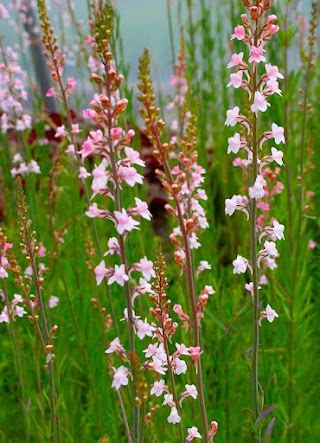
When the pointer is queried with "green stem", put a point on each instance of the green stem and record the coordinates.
(253, 257)
(171, 36)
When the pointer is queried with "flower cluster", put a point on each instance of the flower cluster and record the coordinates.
(260, 80)
(13, 94)
(159, 359)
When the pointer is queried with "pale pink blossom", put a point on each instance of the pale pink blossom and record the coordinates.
(158, 388)
(232, 116)
(236, 60)
(312, 244)
(53, 301)
(145, 266)
(257, 191)
(259, 103)
(144, 329)
(277, 156)
(124, 222)
(100, 271)
(120, 377)
(193, 433)
(119, 275)
(174, 417)
(269, 313)
(272, 72)
(239, 33)
(234, 143)
(236, 80)
(256, 54)
(277, 133)
(240, 265)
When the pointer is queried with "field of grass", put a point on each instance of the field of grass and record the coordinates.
(213, 315)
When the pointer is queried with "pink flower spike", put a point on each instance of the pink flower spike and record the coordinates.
(119, 275)
(256, 54)
(259, 103)
(239, 33)
(236, 80)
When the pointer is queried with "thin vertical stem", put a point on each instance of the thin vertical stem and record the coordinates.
(253, 255)
(171, 36)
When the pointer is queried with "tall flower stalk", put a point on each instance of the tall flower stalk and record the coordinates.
(182, 182)
(260, 80)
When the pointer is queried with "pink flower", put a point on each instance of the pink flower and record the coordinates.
(236, 80)
(144, 329)
(174, 417)
(239, 33)
(113, 245)
(240, 265)
(141, 209)
(119, 275)
(277, 156)
(133, 156)
(158, 388)
(61, 132)
(3, 272)
(257, 191)
(116, 346)
(179, 366)
(192, 433)
(277, 133)
(259, 103)
(120, 377)
(272, 72)
(83, 173)
(234, 143)
(100, 271)
(236, 60)
(232, 116)
(51, 92)
(130, 175)
(145, 266)
(312, 244)
(53, 301)
(124, 222)
(270, 249)
(75, 128)
(256, 54)
(71, 83)
(278, 230)
(269, 313)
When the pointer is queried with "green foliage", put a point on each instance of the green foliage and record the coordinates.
(289, 352)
